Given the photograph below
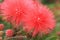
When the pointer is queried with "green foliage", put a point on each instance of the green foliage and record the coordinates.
(48, 1)
(1, 1)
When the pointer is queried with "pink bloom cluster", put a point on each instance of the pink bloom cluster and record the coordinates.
(9, 33)
(35, 17)
(1, 27)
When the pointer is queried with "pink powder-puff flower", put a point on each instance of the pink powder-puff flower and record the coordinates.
(40, 22)
(14, 10)
(11, 11)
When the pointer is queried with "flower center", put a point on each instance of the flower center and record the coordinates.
(38, 19)
(17, 11)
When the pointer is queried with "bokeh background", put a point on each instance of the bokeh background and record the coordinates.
(54, 5)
